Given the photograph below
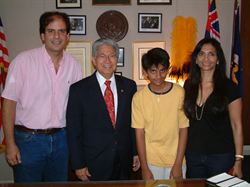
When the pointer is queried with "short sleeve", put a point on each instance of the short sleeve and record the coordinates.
(234, 91)
(14, 81)
(182, 119)
(137, 116)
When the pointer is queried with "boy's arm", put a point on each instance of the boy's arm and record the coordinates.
(176, 171)
(140, 143)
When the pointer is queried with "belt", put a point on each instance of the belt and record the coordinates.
(38, 131)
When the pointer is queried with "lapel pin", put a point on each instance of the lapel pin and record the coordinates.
(121, 90)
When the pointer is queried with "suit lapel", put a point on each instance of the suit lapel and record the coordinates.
(121, 99)
(98, 101)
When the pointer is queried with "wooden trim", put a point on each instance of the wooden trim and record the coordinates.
(245, 45)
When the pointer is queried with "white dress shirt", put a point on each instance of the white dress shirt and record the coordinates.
(101, 80)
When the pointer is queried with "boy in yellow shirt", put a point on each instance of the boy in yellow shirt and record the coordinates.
(160, 124)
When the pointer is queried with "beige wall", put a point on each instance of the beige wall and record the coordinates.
(20, 20)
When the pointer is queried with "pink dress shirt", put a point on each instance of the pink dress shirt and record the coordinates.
(40, 93)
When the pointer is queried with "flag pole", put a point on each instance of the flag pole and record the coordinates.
(234, 18)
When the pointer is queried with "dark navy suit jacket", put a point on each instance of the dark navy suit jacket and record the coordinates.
(91, 137)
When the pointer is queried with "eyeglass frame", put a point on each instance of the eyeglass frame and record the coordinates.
(105, 57)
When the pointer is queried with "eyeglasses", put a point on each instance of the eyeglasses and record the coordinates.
(111, 56)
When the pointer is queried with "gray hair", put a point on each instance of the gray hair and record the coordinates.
(105, 41)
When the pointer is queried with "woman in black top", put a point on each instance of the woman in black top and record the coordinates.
(214, 106)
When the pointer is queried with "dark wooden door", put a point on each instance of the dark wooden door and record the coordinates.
(245, 45)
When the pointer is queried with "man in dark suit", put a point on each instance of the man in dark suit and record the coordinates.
(101, 140)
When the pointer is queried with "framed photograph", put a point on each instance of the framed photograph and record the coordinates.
(140, 48)
(118, 73)
(120, 62)
(82, 51)
(77, 25)
(111, 2)
(68, 4)
(151, 22)
(154, 2)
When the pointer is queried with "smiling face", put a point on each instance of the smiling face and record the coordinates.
(207, 58)
(156, 75)
(55, 37)
(105, 61)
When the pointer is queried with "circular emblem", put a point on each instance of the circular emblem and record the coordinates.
(112, 24)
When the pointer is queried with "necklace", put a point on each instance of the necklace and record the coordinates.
(202, 106)
(158, 95)
(201, 111)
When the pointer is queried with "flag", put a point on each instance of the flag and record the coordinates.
(212, 29)
(4, 64)
(236, 58)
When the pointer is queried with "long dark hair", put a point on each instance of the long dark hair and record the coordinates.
(220, 82)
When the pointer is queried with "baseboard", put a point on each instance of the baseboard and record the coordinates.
(246, 150)
(6, 181)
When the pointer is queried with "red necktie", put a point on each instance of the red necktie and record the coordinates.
(109, 100)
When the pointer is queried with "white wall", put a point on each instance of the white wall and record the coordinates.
(20, 19)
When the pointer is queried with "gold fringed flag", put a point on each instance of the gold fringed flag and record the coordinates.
(183, 37)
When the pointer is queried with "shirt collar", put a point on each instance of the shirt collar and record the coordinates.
(102, 80)
(45, 54)
(48, 58)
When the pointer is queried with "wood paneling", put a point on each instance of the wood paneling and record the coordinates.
(245, 45)
(176, 183)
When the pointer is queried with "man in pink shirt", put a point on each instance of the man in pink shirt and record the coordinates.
(34, 106)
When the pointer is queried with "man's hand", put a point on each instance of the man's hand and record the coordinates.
(83, 174)
(136, 163)
(12, 154)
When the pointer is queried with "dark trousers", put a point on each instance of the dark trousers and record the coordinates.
(117, 173)
(208, 165)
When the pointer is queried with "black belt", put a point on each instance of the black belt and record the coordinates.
(38, 131)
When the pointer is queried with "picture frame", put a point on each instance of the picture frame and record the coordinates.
(120, 61)
(149, 22)
(61, 4)
(118, 73)
(140, 48)
(77, 24)
(82, 51)
(111, 2)
(154, 2)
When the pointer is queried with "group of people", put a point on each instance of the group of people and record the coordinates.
(150, 22)
(105, 126)
(76, 24)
